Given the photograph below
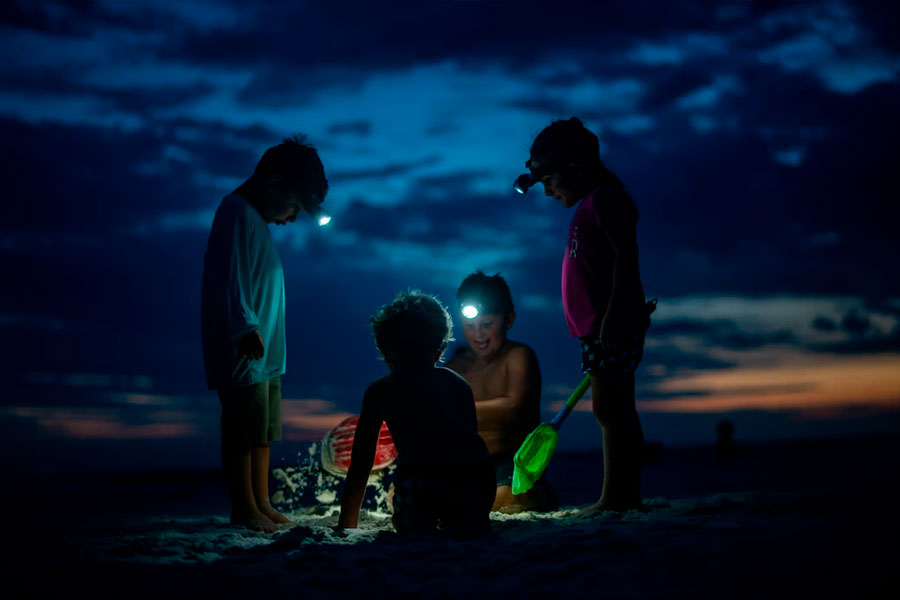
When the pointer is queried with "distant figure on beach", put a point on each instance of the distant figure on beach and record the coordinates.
(243, 318)
(444, 480)
(506, 381)
(603, 298)
(725, 445)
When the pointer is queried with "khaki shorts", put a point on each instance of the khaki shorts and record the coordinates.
(251, 415)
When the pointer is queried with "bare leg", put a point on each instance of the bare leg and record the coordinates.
(623, 441)
(390, 499)
(244, 511)
(539, 498)
(259, 472)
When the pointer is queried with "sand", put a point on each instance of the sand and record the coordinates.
(806, 520)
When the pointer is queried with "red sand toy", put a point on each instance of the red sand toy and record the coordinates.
(338, 443)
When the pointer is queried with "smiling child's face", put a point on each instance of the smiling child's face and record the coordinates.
(486, 334)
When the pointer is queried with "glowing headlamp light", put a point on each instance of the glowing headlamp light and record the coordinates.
(321, 217)
(469, 311)
(523, 182)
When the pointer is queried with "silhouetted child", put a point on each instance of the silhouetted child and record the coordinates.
(725, 445)
(242, 311)
(506, 381)
(603, 299)
(444, 479)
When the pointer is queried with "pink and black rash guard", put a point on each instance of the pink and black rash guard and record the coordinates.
(589, 260)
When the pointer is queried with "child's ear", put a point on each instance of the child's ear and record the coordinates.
(509, 320)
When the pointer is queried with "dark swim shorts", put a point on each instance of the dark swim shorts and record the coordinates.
(620, 357)
(503, 467)
(453, 499)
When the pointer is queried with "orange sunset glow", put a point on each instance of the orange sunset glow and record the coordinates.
(306, 420)
(819, 383)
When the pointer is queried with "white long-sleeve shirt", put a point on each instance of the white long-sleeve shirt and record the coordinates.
(243, 290)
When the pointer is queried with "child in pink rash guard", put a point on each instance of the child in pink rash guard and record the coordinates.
(603, 298)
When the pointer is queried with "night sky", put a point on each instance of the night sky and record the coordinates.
(759, 141)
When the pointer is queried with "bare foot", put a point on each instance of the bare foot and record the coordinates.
(274, 515)
(255, 521)
(602, 505)
(540, 498)
(508, 509)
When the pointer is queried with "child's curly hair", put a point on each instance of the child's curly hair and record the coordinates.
(414, 328)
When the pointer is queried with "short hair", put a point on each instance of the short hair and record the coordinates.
(490, 291)
(415, 327)
(561, 144)
(298, 162)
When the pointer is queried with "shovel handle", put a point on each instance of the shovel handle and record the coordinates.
(557, 421)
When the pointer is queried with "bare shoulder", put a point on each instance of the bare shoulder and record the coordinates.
(453, 376)
(461, 361)
(518, 354)
(377, 392)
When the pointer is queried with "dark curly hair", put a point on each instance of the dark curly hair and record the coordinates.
(414, 328)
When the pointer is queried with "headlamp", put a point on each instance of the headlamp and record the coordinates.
(470, 310)
(523, 182)
(321, 217)
(537, 170)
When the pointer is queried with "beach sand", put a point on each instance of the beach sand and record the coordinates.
(814, 519)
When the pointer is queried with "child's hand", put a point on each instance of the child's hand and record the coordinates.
(251, 346)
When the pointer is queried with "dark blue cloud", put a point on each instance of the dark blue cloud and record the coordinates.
(753, 177)
(360, 128)
(722, 333)
(384, 170)
(308, 35)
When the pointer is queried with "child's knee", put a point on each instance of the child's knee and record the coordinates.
(612, 399)
(604, 413)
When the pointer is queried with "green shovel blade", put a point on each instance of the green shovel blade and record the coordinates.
(532, 459)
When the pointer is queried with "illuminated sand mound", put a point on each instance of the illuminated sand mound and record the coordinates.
(309, 487)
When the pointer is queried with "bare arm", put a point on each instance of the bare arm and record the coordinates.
(362, 456)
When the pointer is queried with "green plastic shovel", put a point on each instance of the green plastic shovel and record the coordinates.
(533, 457)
